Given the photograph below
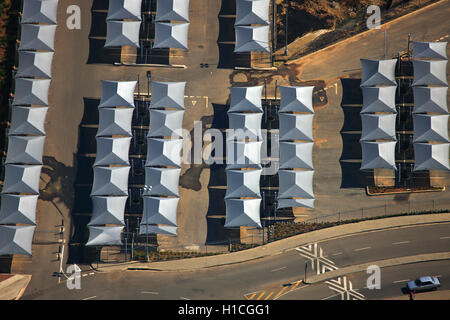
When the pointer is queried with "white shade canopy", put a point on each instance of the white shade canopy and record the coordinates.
(431, 156)
(162, 181)
(430, 99)
(378, 127)
(16, 240)
(31, 92)
(296, 99)
(28, 121)
(160, 211)
(243, 183)
(164, 152)
(104, 236)
(122, 33)
(166, 123)
(172, 10)
(37, 37)
(378, 155)
(110, 181)
(108, 210)
(252, 12)
(150, 229)
(296, 155)
(39, 11)
(431, 50)
(252, 39)
(380, 99)
(430, 128)
(245, 125)
(112, 151)
(242, 154)
(168, 95)
(296, 184)
(430, 73)
(296, 127)
(171, 35)
(18, 209)
(246, 99)
(25, 149)
(124, 9)
(117, 93)
(378, 72)
(242, 213)
(22, 179)
(115, 121)
(299, 203)
(35, 64)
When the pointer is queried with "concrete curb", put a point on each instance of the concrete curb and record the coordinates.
(381, 263)
(283, 245)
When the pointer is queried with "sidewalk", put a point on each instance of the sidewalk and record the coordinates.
(281, 246)
(13, 286)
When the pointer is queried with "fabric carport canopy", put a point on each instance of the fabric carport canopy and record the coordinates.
(298, 203)
(430, 73)
(171, 35)
(378, 127)
(39, 11)
(430, 99)
(37, 37)
(31, 92)
(242, 213)
(167, 95)
(166, 123)
(296, 155)
(160, 211)
(108, 210)
(115, 121)
(151, 229)
(164, 152)
(28, 121)
(378, 155)
(252, 12)
(243, 183)
(296, 184)
(117, 93)
(431, 50)
(296, 99)
(25, 149)
(252, 39)
(296, 127)
(431, 156)
(35, 64)
(172, 10)
(22, 179)
(430, 128)
(378, 99)
(112, 151)
(110, 181)
(16, 240)
(104, 236)
(18, 209)
(241, 154)
(378, 72)
(122, 33)
(246, 99)
(245, 125)
(124, 10)
(161, 181)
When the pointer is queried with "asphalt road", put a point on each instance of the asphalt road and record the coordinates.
(261, 278)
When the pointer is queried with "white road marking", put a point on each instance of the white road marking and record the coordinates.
(278, 269)
(90, 298)
(443, 238)
(149, 292)
(398, 281)
(184, 298)
(401, 242)
(85, 275)
(92, 273)
(336, 254)
(360, 249)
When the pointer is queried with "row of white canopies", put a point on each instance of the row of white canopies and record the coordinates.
(244, 169)
(111, 168)
(26, 135)
(430, 112)
(124, 23)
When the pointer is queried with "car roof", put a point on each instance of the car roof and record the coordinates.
(426, 279)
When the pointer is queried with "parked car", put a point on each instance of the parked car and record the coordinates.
(423, 284)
